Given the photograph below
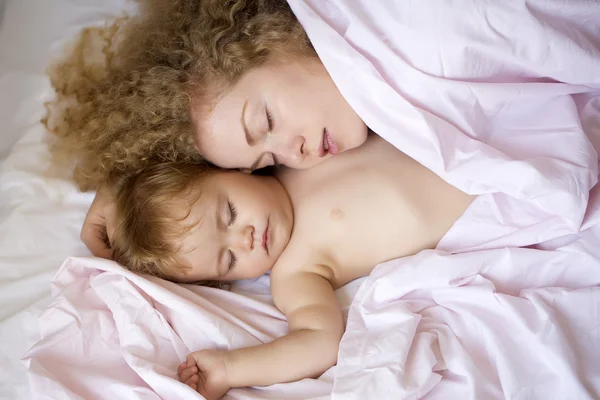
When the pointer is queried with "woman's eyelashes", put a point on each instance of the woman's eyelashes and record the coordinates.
(269, 119)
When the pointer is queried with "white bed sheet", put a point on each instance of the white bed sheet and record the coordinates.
(40, 216)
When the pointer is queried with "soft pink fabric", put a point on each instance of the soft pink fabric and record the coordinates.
(501, 99)
(490, 95)
(112, 334)
(511, 323)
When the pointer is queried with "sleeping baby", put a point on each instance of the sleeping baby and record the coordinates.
(315, 230)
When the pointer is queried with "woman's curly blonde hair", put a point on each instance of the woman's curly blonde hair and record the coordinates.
(131, 108)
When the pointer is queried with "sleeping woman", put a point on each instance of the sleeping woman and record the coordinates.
(186, 80)
(236, 83)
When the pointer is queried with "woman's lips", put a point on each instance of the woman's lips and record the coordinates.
(328, 145)
(332, 146)
(265, 238)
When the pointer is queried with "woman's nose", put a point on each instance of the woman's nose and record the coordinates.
(243, 239)
(292, 152)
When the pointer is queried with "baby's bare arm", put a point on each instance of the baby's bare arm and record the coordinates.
(310, 348)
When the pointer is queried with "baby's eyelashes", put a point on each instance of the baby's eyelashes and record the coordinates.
(232, 260)
(232, 213)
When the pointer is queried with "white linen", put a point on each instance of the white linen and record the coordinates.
(40, 215)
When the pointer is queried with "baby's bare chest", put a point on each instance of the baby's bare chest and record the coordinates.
(367, 207)
(354, 224)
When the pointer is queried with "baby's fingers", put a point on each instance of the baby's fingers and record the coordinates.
(187, 373)
(190, 361)
(192, 381)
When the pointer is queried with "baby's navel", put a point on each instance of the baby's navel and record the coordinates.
(336, 214)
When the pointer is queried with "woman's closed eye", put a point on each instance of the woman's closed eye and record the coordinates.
(269, 119)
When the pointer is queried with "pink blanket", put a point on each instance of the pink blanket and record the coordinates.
(112, 334)
(511, 323)
(502, 100)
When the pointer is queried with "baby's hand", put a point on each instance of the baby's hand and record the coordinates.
(206, 372)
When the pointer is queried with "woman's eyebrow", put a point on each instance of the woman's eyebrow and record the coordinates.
(249, 138)
(251, 142)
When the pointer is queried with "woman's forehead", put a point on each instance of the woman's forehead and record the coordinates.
(219, 124)
(220, 139)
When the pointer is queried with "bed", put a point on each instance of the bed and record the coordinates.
(508, 306)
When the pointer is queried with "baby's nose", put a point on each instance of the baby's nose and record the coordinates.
(245, 238)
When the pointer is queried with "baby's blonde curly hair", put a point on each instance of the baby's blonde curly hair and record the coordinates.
(152, 208)
(131, 108)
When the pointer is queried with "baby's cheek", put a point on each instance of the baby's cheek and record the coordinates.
(253, 268)
(262, 266)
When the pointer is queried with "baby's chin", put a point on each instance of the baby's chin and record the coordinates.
(255, 271)
(271, 264)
